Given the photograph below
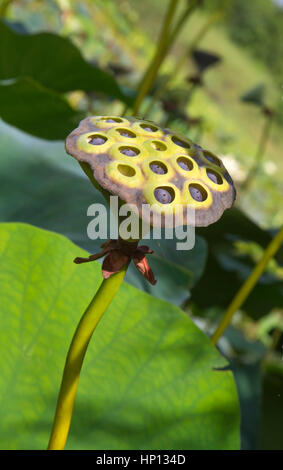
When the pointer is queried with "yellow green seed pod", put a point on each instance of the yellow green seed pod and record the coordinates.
(145, 164)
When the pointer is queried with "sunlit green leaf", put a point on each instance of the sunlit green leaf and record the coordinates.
(149, 379)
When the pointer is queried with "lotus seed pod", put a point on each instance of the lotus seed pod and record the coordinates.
(148, 166)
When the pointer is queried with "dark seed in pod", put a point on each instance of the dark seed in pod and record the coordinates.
(126, 134)
(158, 146)
(181, 143)
(197, 194)
(185, 164)
(214, 177)
(157, 168)
(97, 140)
(212, 159)
(162, 195)
(129, 152)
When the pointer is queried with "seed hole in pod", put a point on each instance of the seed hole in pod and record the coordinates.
(126, 170)
(180, 142)
(158, 145)
(212, 158)
(185, 163)
(197, 192)
(159, 168)
(129, 151)
(96, 139)
(126, 133)
(164, 195)
(213, 176)
(111, 119)
(149, 128)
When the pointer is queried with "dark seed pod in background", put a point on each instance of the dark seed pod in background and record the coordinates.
(255, 95)
(195, 79)
(204, 59)
(119, 70)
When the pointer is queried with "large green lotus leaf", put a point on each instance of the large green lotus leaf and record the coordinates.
(151, 378)
(248, 380)
(35, 109)
(40, 184)
(52, 61)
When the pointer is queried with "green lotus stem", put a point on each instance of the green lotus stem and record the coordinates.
(75, 357)
(180, 23)
(191, 91)
(152, 70)
(259, 153)
(181, 61)
(165, 43)
(4, 4)
(249, 284)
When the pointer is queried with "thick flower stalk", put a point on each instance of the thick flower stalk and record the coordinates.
(150, 168)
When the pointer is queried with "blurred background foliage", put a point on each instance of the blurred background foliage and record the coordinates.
(231, 104)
